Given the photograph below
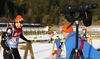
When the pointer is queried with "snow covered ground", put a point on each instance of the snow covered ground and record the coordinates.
(43, 50)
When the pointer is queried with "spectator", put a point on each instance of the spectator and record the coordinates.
(84, 33)
(89, 52)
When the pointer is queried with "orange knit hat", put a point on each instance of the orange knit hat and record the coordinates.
(64, 28)
(18, 19)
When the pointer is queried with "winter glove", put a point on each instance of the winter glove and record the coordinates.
(55, 37)
(9, 51)
(57, 52)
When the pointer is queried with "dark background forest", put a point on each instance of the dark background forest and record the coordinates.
(40, 11)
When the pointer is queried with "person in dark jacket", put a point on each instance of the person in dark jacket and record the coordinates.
(10, 40)
(84, 32)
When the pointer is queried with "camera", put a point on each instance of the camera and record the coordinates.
(79, 11)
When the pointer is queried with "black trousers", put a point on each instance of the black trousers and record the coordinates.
(85, 35)
(15, 54)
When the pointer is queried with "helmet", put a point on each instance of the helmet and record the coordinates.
(19, 19)
(64, 28)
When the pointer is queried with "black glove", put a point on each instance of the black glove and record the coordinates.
(9, 51)
(29, 41)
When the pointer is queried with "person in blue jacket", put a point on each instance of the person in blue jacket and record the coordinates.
(89, 52)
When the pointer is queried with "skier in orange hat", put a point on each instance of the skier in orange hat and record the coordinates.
(13, 33)
(89, 52)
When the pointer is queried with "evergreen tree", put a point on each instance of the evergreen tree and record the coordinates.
(6, 10)
(2, 7)
(15, 14)
(36, 10)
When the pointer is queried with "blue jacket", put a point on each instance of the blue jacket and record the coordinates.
(89, 51)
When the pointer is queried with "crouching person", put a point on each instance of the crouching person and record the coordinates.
(89, 52)
(59, 47)
(10, 39)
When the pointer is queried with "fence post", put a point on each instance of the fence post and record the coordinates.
(53, 46)
(89, 39)
(0, 44)
(29, 47)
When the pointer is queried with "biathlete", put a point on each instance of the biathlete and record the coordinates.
(10, 39)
